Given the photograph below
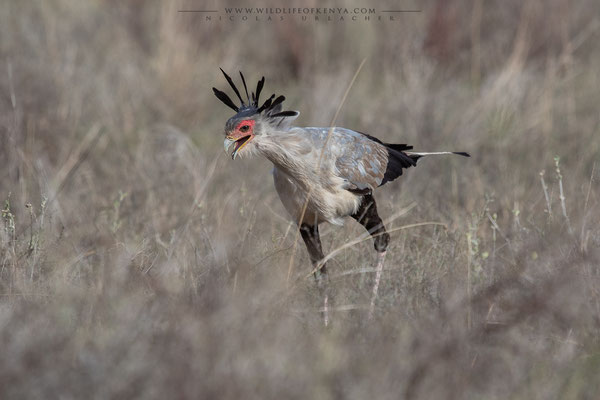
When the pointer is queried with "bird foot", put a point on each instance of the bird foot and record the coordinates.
(379, 270)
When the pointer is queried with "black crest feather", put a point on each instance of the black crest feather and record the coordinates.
(267, 104)
(225, 99)
(259, 87)
(245, 87)
(235, 89)
(286, 114)
(272, 106)
(277, 102)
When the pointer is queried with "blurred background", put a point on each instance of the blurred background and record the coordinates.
(138, 261)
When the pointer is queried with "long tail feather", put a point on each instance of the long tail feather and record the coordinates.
(415, 154)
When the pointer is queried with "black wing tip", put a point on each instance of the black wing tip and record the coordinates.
(397, 162)
(398, 147)
(461, 153)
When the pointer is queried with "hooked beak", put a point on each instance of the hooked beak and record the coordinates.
(239, 143)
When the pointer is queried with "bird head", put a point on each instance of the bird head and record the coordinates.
(251, 123)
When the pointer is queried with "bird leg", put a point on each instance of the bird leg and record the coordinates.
(367, 216)
(379, 270)
(310, 235)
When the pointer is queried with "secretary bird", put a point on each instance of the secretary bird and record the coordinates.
(320, 174)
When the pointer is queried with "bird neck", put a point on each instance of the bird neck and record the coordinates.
(284, 148)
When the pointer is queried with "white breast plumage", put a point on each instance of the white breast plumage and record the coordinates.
(330, 204)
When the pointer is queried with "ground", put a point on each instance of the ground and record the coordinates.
(138, 261)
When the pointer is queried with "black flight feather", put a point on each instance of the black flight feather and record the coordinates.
(225, 99)
(232, 86)
(398, 147)
(397, 161)
(373, 138)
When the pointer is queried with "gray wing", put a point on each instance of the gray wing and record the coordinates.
(361, 161)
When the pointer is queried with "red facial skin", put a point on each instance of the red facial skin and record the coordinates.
(237, 132)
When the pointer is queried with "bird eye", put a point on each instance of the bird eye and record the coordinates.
(244, 128)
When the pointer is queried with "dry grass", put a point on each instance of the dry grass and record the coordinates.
(137, 261)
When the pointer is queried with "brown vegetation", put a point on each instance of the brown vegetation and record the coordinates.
(137, 261)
